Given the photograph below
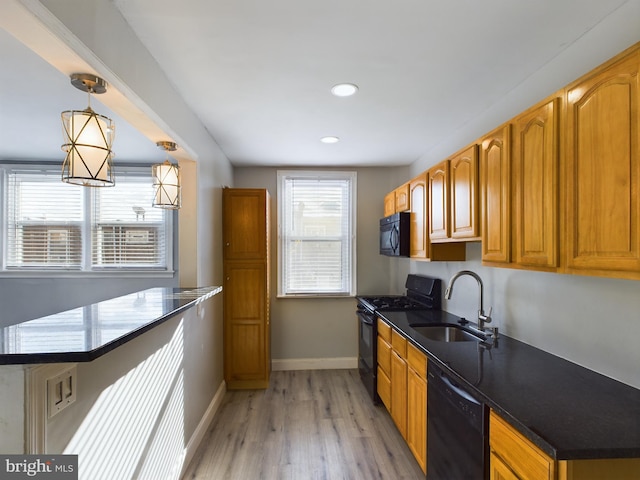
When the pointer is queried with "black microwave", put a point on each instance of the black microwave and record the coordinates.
(394, 235)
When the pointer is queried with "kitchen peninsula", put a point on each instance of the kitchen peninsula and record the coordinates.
(86, 333)
(139, 361)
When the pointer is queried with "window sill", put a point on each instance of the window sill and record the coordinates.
(86, 274)
(316, 295)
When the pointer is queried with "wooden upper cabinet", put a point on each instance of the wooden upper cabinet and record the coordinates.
(419, 240)
(397, 201)
(535, 184)
(603, 170)
(495, 178)
(438, 177)
(403, 202)
(244, 224)
(453, 198)
(390, 203)
(463, 172)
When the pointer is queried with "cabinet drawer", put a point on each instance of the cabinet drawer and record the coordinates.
(384, 330)
(399, 343)
(384, 355)
(522, 456)
(417, 360)
(384, 388)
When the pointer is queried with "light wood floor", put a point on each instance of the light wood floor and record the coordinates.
(316, 424)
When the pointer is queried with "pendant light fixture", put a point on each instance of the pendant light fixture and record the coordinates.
(88, 138)
(166, 180)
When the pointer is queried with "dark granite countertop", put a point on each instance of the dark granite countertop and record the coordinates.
(85, 333)
(569, 411)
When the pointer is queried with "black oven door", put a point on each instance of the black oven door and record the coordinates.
(367, 352)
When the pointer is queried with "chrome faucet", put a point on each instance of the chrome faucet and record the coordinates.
(482, 318)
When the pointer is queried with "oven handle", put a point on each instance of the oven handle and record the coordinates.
(366, 319)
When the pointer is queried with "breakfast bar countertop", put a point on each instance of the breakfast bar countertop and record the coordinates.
(85, 333)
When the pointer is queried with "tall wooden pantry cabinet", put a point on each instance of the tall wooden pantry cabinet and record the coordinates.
(247, 354)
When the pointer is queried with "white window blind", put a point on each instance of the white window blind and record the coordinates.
(44, 221)
(126, 230)
(52, 225)
(316, 233)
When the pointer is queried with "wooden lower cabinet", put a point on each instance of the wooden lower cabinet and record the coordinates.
(402, 386)
(384, 363)
(417, 405)
(399, 382)
(513, 456)
(516, 453)
(500, 470)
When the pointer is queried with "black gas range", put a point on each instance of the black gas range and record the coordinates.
(423, 293)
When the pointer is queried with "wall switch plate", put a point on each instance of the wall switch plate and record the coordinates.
(61, 390)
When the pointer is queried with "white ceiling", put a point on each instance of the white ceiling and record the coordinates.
(258, 73)
(32, 96)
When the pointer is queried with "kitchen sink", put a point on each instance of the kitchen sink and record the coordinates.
(447, 333)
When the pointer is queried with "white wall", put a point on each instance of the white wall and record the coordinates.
(12, 378)
(326, 328)
(590, 321)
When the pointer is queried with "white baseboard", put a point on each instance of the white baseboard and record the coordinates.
(203, 426)
(314, 363)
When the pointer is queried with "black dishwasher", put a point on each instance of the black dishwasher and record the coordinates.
(457, 431)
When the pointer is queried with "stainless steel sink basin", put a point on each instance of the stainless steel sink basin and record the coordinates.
(447, 333)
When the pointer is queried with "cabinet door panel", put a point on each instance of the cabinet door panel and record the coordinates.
(522, 456)
(247, 356)
(399, 393)
(496, 208)
(439, 201)
(403, 202)
(464, 194)
(603, 197)
(246, 352)
(384, 388)
(417, 417)
(244, 291)
(384, 355)
(245, 221)
(419, 240)
(536, 186)
(390, 204)
(500, 470)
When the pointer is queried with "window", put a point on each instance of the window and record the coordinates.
(316, 233)
(55, 226)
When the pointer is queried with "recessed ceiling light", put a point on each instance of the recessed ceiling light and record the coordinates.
(330, 139)
(344, 89)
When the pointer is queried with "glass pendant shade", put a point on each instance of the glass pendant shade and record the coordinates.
(166, 185)
(88, 139)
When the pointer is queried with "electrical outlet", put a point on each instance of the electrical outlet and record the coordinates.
(61, 390)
